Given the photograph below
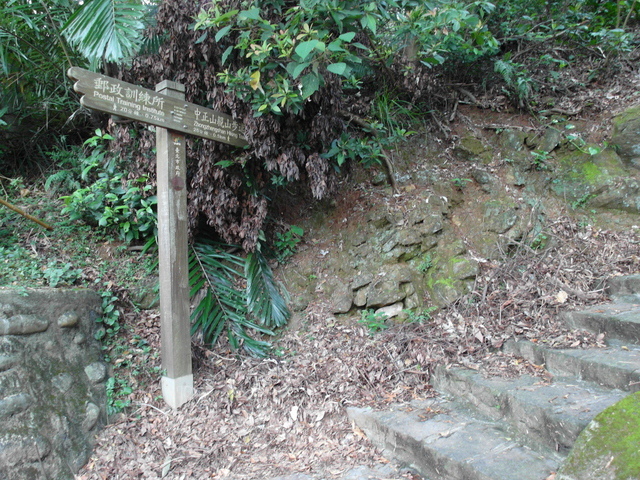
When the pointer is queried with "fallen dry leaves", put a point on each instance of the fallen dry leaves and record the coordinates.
(258, 418)
(522, 293)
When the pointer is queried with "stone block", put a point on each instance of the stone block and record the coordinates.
(68, 319)
(22, 325)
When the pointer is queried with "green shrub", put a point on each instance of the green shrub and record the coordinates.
(278, 56)
(69, 164)
(375, 322)
(110, 200)
(115, 204)
(420, 316)
(118, 391)
(286, 243)
(110, 320)
(58, 273)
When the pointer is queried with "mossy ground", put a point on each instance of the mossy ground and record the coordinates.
(71, 253)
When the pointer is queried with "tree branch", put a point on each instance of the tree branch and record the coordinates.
(25, 214)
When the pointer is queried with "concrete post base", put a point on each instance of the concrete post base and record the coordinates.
(177, 391)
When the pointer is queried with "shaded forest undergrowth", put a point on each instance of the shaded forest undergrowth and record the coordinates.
(257, 418)
(254, 418)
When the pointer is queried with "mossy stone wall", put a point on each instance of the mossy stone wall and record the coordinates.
(52, 382)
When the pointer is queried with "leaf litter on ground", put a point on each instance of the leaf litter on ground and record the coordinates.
(258, 418)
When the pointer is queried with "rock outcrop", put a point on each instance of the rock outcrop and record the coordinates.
(608, 448)
(626, 135)
(424, 247)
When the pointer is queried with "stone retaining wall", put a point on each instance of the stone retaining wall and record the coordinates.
(52, 382)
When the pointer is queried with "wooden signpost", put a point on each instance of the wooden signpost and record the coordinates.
(166, 109)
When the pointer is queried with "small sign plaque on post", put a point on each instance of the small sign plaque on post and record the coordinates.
(166, 109)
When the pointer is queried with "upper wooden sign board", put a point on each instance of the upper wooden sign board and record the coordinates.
(131, 101)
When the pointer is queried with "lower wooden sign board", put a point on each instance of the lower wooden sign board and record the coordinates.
(137, 103)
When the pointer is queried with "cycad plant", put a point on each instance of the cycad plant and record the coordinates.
(234, 294)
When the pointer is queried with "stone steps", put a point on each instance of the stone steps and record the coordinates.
(441, 439)
(380, 472)
(551, 415)
(619, 320)
(628, 285)
(617, 366)
(490, 428)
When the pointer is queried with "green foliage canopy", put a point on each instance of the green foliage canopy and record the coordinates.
(284, 55)
(34, 98)
(39, 41)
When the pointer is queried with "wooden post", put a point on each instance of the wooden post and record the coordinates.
(166, 109)
(177, 384)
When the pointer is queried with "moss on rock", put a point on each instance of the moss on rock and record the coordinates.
(609, 448)
(581, 175)
(626, 131)
(450, 278)
(629, 115)
(471, 148)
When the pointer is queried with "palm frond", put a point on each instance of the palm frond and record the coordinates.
(239, 337)
(107, 30)
(264, 300)
(235, 294)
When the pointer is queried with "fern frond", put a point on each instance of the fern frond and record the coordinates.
(518, 80)
(506, 69)
(62, 179)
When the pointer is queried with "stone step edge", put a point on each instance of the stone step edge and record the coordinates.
(542, 418)
(624, 285)
(362, 472)
(619, 321)
(630, 298)
(452, 445)
(606, 367)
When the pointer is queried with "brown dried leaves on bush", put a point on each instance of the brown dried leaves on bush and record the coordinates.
(233, 199)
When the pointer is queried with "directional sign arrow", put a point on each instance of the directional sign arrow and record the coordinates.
(137, 103)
